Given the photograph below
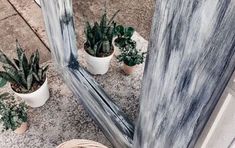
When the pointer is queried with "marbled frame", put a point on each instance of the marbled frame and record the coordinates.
(58, 17)
(191, 58)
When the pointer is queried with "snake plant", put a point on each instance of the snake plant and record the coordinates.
(12, 113)
(99, 36)
(25, 75)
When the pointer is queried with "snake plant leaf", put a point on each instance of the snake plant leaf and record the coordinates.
(112, 18)
(103, 22)
(3, 82)
(23, 65)
(97, 32)
(45, 68)
(6, 76)
(36, 64)
(40, 74)
(29, 81)
(14, 74)
(106, 46)
(36, 76)
(23, 78)
(91, 51)
(4, 59)
(19, 50)
(17, 62)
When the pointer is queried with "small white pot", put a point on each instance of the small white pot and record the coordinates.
(37, 98)
(98, 65)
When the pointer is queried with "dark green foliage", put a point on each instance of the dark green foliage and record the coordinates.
(131, 56)
(124, 37)
(12, 113)
(99, 37)
(22, 72)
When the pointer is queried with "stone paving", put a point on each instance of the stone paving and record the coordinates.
(12, 27)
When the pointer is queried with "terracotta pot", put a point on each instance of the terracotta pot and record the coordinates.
(22, 128)
(128, 69)
(37, 98)
(81, 143)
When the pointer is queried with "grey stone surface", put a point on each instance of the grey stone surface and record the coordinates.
(134, 13)
(14, 28)
(6, 10)
(31, 12)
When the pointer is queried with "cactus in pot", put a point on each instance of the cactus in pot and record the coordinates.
(98, 45)
(13, 114)
(26, 76)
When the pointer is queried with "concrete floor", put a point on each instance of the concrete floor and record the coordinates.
(135, 13)
(12, 27)
(62, 118)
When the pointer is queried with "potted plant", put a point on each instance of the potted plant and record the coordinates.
(13, 115)
(124, 35)
(27, 79)
(98, 46)
(130, 57)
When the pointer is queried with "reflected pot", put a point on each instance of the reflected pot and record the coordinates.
(98, 65)
(128, 69)
(22, 129)
(37, 98)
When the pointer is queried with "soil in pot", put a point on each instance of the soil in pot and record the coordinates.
(22, 129)
(128, 69)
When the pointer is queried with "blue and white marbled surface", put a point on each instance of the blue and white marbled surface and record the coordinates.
(191, 58)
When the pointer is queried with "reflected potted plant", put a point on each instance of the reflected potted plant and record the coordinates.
(27, 79)
(124, 35)
(130, 57)
(98, 46)
(13, 114)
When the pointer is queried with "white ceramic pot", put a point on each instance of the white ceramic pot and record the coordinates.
(98, 65)
(37, 98)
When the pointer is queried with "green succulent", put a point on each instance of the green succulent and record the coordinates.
(124, 35)
(12, 113)
(99, 36)
(131, 56)
(22, 72)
